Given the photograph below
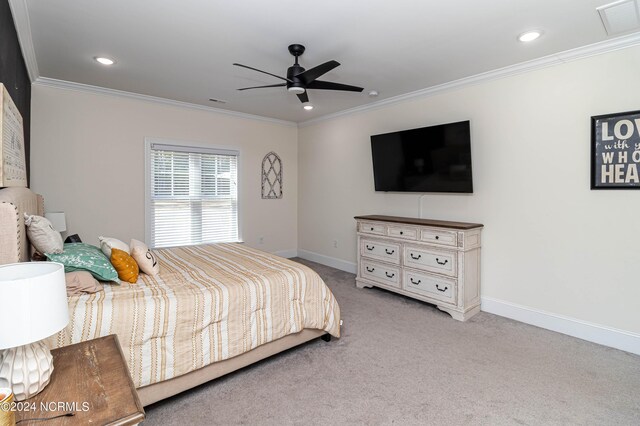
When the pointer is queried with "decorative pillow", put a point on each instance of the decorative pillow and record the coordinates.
(85, 257)
(43, 237)
(144, 257)
(125, 265)
(106, 244)
(81, 282)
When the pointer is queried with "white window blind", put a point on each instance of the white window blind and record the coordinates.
(193, 195)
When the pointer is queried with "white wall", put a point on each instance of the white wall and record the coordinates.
(549, 243)
(87, 159)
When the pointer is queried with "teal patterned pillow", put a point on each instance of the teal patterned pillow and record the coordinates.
(85, 257)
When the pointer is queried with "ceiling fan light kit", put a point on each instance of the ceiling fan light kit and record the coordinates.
(299, 80)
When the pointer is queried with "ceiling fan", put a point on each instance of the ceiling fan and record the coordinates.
(298, 79)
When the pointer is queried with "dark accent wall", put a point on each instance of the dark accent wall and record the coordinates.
(13, 72)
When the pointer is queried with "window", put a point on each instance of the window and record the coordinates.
(192, 195)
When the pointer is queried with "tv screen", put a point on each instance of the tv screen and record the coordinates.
(428, 159)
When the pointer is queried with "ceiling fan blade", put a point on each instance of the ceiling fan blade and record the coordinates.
(328, 85)
(303, 97)
(263, 72)
(264, 87)
(311, 74)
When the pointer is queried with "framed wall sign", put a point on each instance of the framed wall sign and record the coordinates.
(615, 151)
(13, 166)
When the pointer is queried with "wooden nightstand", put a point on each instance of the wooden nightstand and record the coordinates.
(90, 379)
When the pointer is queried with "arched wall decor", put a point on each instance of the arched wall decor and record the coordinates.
(271, 176)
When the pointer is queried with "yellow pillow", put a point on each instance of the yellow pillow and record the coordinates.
(125, 265)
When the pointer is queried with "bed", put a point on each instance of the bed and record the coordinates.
(212, 309)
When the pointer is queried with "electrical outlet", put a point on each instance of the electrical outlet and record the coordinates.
(261, 240)
(335, 243)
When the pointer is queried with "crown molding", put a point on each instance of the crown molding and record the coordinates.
(20, 14)
(23, 28)
(79, 87)
(523, 67)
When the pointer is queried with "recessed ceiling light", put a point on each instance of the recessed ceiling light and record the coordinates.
(529, 36)
(373, 93)
(104, 61)
(307, 106)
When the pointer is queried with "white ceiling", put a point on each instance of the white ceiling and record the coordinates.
(183, 50)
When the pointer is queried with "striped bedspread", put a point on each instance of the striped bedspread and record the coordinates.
(209, 303)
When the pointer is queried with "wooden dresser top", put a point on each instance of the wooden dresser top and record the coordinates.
(422, 222)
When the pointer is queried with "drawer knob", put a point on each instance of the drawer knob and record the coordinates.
(372, 229)
(401, 233)
(370, 248)
(414, 282)
(437, 237)
(441, 263)
(389, 252)
(414, 257)
(389, 276)
(442, 289)
(370, 269)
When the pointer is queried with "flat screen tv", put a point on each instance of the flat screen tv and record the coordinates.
(428, 159)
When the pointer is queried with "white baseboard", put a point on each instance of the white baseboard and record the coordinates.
(343, 265)
(286, 253)
(608, 336)
(603, 335)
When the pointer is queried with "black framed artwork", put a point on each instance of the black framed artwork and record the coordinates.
(615, 151)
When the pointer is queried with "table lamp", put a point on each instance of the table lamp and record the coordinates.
(33, 304)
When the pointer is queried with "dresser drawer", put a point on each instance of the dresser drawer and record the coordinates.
(439, 261)
(403, 232)
(445, 238)
(384, 274)
(388, 252)
(373, 228)
(432, 286)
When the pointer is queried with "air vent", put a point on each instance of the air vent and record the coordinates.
(620, 17)
(219, 101)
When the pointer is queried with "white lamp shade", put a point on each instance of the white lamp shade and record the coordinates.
(33, 302)
(58, 220)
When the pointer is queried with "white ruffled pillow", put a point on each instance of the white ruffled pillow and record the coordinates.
(144, 257)
(43, 237)
(106, 244)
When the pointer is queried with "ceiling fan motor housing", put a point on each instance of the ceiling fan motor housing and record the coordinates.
(298, 85)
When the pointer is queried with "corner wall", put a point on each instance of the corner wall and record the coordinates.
(550, 244)
(88, 161)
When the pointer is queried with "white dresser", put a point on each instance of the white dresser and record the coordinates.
(431, 260)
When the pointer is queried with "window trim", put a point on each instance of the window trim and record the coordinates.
(187, 146)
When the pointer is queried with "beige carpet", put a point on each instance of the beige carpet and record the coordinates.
(401, 361)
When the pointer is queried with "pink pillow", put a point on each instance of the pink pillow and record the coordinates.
(80, 282)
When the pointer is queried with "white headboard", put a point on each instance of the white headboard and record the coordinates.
(14, 202)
